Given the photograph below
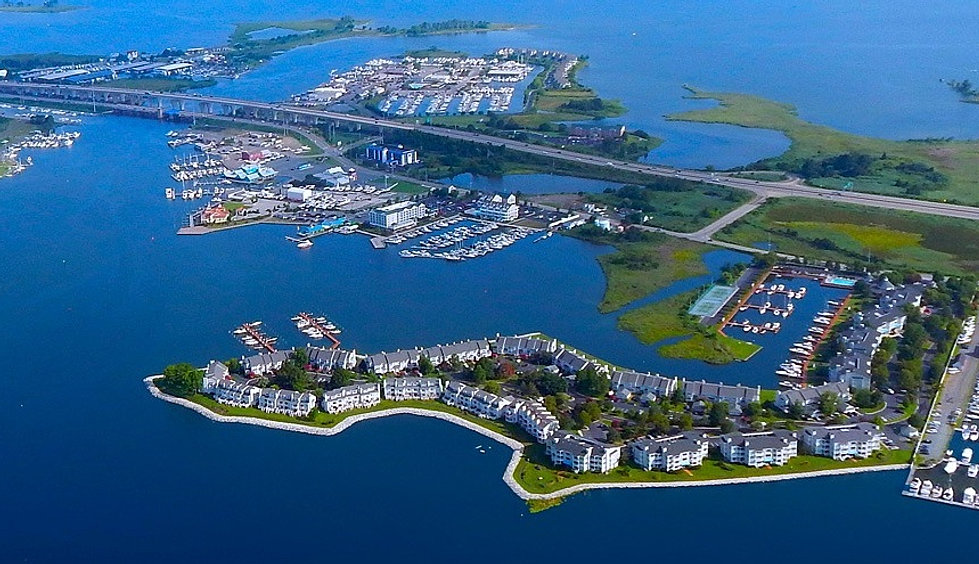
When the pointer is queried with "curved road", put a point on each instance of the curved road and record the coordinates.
(762, 189)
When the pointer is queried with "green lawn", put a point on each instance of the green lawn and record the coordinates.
(660, 320)
(957, 160)
(536, 475)
(849, 233)
(405, 187)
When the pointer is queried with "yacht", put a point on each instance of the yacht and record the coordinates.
(973, 471)
(966, 455)
(304, 244)
(948, 494)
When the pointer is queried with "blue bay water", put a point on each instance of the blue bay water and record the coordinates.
(96, 292)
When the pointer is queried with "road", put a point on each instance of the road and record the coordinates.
(764, 189)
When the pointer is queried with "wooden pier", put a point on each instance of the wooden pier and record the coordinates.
(328, 334)
(265, 342)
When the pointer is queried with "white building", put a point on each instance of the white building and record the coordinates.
(474, 400)
(287, 402)
(323, 359)
(809, 397)
(581, 454)
(346, 398)
(640, 383)
(732, 395)
(525, 346)
(533, 417)
(464, 351)
(496, 208)
(572, 362)
(262, 364)
(397, 216)
(843, 442)
(669, 454)
(401, 389)
(235, 394)
(761, 449)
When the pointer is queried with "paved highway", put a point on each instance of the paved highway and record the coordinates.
(763, 189)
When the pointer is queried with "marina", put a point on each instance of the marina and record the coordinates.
(317, 327)
(252, 337)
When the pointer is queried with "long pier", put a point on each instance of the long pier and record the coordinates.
(309, 319)
(160, 104)
(266, 343)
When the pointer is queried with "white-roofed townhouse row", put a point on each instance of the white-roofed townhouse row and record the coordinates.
(218, 383)
(525, 346)
(572, 362)
(324, 359)
(843, 442)
(356, 396)
(392, 362)
(760, 449)
(533, 417)
(669, 454)
(287, 402)
(637, 382)
(401, 389)
(474, 400)
(581, 454)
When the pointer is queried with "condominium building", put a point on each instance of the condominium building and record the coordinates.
(398, 156)
(581, 454)
(843, 442)
(533, 417)
(669, 454)
(400, 389)
(571, 361)
(288, 402)
(641, 383)
(392, 362)
(709, 391)
(397, 216)
(265, 363)
(474, 400)
(324, 359)
(760, 449)
(229, 392)
(496, 207)
(525, 346)
(464, 351)
(346, 398)
(809, 397)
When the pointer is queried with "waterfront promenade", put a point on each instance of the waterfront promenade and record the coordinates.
(154, 103)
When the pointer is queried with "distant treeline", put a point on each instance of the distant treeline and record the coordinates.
(428, 28)
(963, 87)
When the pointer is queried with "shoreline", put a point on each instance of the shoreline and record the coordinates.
(515, 445)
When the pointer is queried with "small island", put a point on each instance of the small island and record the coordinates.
(46, 7)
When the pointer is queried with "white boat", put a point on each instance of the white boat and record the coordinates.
(914, 486)
(974, 435)
(936, 492)
(969, 496)
(966, 455)
(951, 466)
(305, 244)
(948, 494)
(973, 471)
(926, 488)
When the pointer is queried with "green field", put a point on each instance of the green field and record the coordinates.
(405, 187)
(673, 204)
(711, 347)
(854, 234)
(934, 169)
(659, 320)
(11, 129)
(536, 475)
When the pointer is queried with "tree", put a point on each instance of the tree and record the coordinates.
(550, 383)
(425, 365)
(480, 374)
(718, 412)
(182, 380)
(505, 370)
(685, 421)
(726, 425)
(234, 366)
(753, 409)
(829, 402)
(590, 383)
(660, 423)
(292, 375)
(341, 377)
(492, 387)
(796, 410)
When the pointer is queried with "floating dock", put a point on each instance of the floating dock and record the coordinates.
(304, 320)
(252, 337)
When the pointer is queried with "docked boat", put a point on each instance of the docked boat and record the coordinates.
(915, 486)
(969, 496)
(304, 244)
(974, 435)
(948, 494)
(926, 488)
(973, 470)
(966, 455)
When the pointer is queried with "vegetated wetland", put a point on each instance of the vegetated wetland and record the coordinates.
(858, 235)
(933, 169)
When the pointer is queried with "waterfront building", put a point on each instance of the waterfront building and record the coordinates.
(235, 394)
(496, 207)
(572, 362)
(464, 351)
(809, 397)
(533, 417)
(397, 216)
(474, 400)
(669, 454)
(287, 402)
(393, 362)
(346, 398)
(251, 174)
(265, 363)
(734, 395)
(760, 449)
(323, 359)
(525, 346)
(216, 370)
(843, 442)
(214, 215)
(581, 454)
(642, 383)
(400, 389)
(391, 156)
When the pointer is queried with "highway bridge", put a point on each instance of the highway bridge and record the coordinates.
(190, 104)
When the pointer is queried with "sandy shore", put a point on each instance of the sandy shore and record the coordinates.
(517, 446)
